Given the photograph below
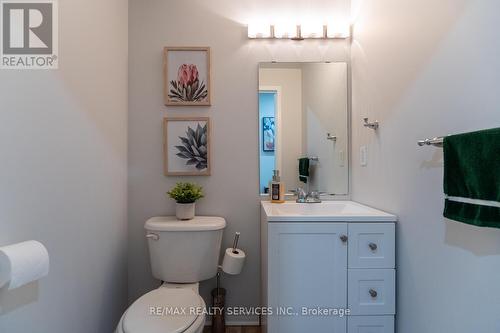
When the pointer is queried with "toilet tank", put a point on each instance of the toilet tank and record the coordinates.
(184, 251)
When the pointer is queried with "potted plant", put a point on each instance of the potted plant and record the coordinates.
(185, 195)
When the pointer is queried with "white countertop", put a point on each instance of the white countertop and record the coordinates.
(326, 211)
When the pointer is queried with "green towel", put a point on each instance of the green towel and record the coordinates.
(303, 169)
(472, 171)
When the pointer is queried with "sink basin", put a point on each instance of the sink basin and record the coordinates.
(326, 211)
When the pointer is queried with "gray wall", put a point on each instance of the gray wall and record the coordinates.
(232, 190)
(325, 110)
(63, 174)
(428, 68)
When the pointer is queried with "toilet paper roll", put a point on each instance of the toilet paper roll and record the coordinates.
(233, 261)
(23, 263)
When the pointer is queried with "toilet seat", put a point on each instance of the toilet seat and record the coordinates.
(165, 310)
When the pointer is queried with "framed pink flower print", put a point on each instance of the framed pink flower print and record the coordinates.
(186, 72)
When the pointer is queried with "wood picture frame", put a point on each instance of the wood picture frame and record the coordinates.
(268, 134)
(187, 76)
(186, 146)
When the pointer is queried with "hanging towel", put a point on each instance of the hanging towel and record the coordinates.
(472, 177)
(303, 169)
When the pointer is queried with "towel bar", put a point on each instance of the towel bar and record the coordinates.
(312, 158)
(436, 142)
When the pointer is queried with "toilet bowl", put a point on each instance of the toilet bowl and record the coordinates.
(182, 253)
(169, 309)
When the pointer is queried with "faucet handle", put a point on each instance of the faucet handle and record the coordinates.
(301, 194)
(315, 194)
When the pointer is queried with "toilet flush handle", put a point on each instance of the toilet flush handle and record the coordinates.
(152, 236)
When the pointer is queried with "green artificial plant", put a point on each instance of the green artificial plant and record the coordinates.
(186, 193)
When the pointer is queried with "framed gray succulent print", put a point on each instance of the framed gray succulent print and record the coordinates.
(186, 72)
(186, 146)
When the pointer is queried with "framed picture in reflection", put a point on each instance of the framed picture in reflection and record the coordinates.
(268, 133)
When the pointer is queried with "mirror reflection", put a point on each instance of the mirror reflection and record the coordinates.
(303, 131)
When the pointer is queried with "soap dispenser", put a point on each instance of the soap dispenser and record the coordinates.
(277, 188)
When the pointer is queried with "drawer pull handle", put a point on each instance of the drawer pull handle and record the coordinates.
(152, 236)
(373, 293)
(343, 238)
(372, 246)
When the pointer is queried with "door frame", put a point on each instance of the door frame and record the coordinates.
(277, 108)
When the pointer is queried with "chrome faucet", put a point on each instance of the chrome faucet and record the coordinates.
(307, 197)
(301, 195)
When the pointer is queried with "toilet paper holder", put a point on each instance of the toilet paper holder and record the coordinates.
(219, 294)
(235, 251)
(235, 242)
(23, 263)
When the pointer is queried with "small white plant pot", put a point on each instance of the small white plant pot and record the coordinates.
(184, 211)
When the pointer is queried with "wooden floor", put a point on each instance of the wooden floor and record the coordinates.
(236, 329)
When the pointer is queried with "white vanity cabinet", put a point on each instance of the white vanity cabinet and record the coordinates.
(314, 267)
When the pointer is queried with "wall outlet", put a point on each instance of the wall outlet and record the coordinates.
(363, 156)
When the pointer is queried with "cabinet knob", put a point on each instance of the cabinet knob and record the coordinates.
(373, 293)
(343, 238)
(372, 246)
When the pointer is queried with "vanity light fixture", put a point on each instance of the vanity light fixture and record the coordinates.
(298, 32)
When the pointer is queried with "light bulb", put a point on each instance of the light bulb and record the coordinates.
(312, 30)
(259, 30)
(285, 30)
(338, 30)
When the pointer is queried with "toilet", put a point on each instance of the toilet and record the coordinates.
(182, 253)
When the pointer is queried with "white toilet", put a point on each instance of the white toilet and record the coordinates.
(182, 253)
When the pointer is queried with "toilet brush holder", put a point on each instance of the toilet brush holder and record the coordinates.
(218, 304)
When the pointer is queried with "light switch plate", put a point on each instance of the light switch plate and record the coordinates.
(363, 156)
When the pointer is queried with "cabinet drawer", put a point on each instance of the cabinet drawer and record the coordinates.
(371, 291)
(370, 324)
(371, 245)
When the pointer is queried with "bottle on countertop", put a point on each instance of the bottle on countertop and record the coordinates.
(276, 188)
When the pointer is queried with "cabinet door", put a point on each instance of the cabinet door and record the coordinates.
(370, 324)
(307, 271)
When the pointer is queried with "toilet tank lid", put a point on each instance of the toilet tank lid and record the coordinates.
(171, 223)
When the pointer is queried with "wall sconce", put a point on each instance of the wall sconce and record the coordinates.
(298, 32)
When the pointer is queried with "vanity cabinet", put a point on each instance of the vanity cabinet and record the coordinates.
(313, 271)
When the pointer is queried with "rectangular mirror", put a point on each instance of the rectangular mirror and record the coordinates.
(303, 113)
